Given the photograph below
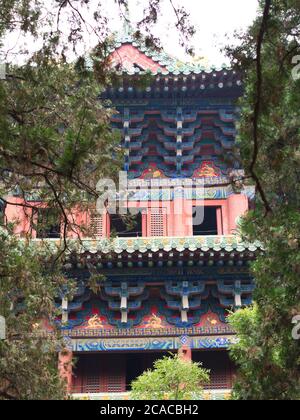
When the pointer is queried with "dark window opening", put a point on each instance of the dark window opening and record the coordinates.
(48, 225)
(209, 225)
(96, 373)
(126, 226)
(138, 363)
(222, 369)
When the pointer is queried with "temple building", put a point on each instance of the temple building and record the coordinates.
(175, 271)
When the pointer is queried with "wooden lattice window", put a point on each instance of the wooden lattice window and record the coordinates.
(92, 384)
(113, 373)
(97, 225)
(158, 222)
(220, 379)
(221, 368)
(115, 383)
(100, 373)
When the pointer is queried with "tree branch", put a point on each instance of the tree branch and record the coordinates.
(257, 108)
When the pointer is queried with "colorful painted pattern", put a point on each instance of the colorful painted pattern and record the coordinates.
(149, 344)
(177, 142)
(207, 170)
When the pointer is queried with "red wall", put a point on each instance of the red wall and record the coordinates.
(177, 216)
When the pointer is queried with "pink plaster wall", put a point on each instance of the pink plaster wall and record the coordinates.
(19, 216)
(65, 368)
(237, 206)
(79, 221)
(177, 219)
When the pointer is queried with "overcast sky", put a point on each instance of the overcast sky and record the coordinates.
(215, 21)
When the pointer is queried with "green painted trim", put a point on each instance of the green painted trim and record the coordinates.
(156, 244)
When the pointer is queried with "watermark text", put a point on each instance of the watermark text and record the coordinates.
(296, 329)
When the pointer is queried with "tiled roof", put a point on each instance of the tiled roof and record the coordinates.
(167, 244)
(172, 65)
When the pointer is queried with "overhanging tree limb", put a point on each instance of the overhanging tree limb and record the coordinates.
(257, 108)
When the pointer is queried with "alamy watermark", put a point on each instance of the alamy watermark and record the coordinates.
(148, 194)
(296, 69)
(2, 328)
(296, 329)
(2, 71)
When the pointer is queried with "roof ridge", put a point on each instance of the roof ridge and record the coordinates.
(172, 64)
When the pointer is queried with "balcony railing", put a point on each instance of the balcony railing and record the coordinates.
(211, 395)
(206, 244)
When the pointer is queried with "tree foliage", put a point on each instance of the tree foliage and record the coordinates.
(72, 21)
(171, 379)
(55, 138)
(55, 144)
(269, 133)
(28, 358)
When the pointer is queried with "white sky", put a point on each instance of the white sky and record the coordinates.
(215, 21)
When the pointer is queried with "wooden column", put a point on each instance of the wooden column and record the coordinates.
(237, 207)
(185, 353)
(65, 368)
